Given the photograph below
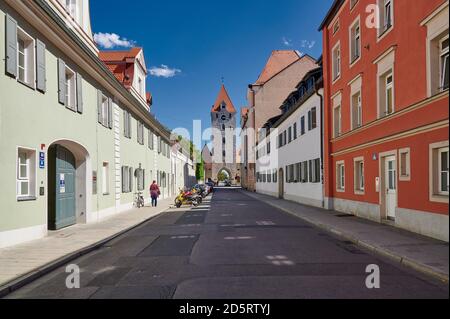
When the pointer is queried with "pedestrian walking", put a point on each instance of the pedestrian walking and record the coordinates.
(154, 193)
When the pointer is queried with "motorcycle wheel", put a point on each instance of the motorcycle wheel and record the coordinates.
(195, 203)
(178, 204)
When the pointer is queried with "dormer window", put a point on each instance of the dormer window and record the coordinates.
(224, 106)
(72, 9)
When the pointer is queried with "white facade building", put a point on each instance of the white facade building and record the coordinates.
(289, 156)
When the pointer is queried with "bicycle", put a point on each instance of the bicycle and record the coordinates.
(139, 201)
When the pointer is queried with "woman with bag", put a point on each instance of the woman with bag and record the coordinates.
(154, 193)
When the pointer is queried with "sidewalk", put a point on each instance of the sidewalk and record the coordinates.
(421, 253)
(25, 262)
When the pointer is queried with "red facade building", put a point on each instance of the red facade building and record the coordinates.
(386, 77)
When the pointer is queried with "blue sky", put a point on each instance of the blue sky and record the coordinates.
(196, 43)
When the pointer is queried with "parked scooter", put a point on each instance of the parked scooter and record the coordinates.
(187, 198)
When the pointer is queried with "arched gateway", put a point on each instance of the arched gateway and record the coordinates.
(223, 123)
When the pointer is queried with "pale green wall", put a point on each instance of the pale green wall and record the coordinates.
(29, 118)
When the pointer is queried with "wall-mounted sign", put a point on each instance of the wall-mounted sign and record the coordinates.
(41, 160)
(94, 182)
(62, 183)
(377, 184)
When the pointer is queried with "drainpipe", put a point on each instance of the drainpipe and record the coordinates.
(322, 134)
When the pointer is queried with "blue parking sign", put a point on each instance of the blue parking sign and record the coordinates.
(41, 160)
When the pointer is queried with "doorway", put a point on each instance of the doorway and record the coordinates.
(62, 188)
(390, 178)
(281, 184)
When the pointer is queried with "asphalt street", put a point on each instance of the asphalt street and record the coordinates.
(231, 247)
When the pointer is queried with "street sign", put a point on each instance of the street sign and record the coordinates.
(41, 160)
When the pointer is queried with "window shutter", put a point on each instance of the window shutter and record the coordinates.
(110, 113)
(131, 179)
(79, 94)
(143, 179)
(11, 46)
(124, 184)
(99, 105)
(129, 125)
(61, 82)
(40, 66)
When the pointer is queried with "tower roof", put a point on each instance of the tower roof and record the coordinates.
(223, 97)
(278, 61)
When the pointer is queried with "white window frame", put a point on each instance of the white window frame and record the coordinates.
(359, 177)
(435, 162)
(443, 54)
(337, 122)
(104, 111)
(71, 88)
(31, 171)
(336, 61)
(356, 112)
(340, 176)
(355, 41)
(29, 58)
(441, 171)
(353, 3)
(383, 28)
(387, 87)
(404, 167)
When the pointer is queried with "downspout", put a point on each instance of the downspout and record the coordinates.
(322, 134)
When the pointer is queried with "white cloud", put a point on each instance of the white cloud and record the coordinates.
(112, 40)
(287, 42)
(163, 71)
(308, 44)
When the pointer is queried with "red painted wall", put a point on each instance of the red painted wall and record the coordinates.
(410, 87)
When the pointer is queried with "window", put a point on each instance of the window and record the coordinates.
(295, 131)
(302, 125)
(353, 3)
(268, 147)
(336, 27)
(312, 119)
(356, 110)
(359, 175)
(140, 177)
(444, 64)
(405, 168)
(355, 41)
(140, 133)
(25, 58)
(127, 179)
(314, 171)
(26, 171)
(337, 121)
(443, 171)
(340, 176)
(290, 134)
(304, 172)
(72, 9)
(336, 62)
(140, 86)
(275, 176)
(387, 15)
(389, 93)
(105, 178)
(71, 88)
(151, 141)
(104, 111)
(127, 124)
(284, 138)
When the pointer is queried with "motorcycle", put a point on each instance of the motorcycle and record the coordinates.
(186, 198)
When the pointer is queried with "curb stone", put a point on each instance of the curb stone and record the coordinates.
(425, 269)
(41, 271)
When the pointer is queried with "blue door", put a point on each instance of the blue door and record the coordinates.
(62, 174)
